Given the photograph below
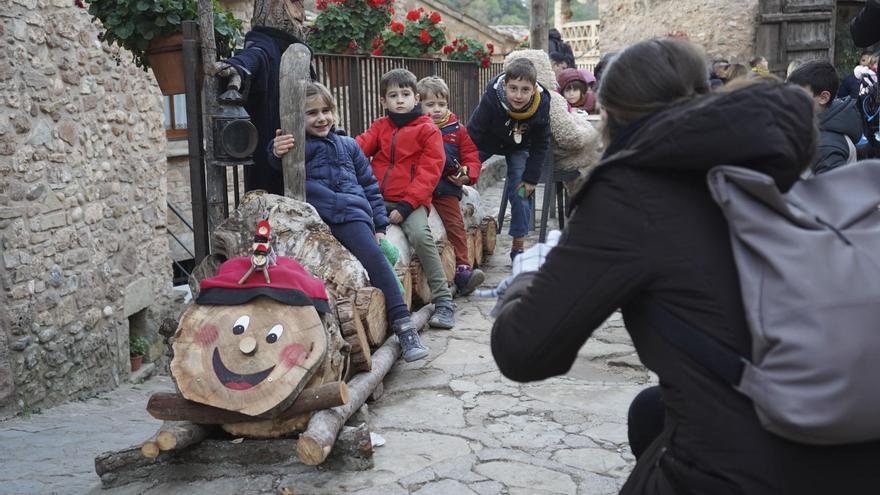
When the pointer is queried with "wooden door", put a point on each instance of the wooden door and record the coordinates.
(791, 30)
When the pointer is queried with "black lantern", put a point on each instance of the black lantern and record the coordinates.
(235, 136)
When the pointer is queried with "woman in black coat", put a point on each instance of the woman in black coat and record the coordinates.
(644, 232)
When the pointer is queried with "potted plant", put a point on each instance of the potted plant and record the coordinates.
(419, 36)
(466, 49)
(151, 32)
(347, 26)
(137, 349)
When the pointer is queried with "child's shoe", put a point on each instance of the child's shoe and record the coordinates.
(467, 280)
(514, 253)
(444, 315)
(411, 346)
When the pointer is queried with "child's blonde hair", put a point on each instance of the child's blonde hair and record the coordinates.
(318, 89)
(432, 85)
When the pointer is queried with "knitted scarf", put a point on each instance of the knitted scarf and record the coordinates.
(402, 119)
(443, 120)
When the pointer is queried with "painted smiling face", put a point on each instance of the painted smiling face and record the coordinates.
(253, 358)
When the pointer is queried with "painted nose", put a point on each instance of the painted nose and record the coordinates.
(247, 345)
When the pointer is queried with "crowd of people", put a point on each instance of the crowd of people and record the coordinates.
(643, 232)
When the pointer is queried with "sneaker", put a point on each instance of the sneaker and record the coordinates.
(467, 280)
(444, 316)
(514, 253)
(411, 346)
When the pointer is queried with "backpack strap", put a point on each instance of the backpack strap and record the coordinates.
(726, 363)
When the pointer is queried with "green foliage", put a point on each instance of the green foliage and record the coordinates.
(348, 26)
(138, 346)
(132, 24)
(420, 35)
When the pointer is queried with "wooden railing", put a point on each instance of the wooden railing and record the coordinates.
(584, 40)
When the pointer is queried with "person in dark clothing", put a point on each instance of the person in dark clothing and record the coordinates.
(840, 123)
(556, 45)
(644, 231)
(865, 26)
(261, 61)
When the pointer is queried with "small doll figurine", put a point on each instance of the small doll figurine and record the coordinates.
(263, 254)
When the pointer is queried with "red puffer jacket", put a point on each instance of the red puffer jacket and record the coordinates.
(406, 160)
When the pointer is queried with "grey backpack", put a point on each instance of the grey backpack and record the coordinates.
(809, 271)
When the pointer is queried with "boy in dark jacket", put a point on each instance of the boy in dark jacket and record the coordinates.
(840, 123)
(513, 119)
(462, 167)
(407, 157)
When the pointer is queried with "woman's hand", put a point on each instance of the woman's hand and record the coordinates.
(395, 217)
(379, 237)
(282, 143)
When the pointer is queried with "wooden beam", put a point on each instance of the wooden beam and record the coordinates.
(174, 407)
(798, 17)
(294, 76)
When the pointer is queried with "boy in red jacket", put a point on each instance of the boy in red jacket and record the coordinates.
(462, 167)
(407, 158)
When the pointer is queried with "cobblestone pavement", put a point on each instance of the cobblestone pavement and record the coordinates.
(452, 424)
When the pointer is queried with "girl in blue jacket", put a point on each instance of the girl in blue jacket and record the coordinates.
(341, 186)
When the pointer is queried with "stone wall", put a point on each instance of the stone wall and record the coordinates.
(724, 28)
(82, 203)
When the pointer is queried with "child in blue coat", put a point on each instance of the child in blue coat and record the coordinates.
(341, 186)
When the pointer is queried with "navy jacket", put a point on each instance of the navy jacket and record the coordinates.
(262, 58)
(849, 87)
(340, 182)
(491, 129)
(840, 119)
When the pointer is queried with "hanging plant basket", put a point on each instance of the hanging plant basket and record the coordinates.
(166, 59)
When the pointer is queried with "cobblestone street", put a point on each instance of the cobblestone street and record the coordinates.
(452, 425)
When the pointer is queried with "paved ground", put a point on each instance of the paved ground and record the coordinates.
(452, 424)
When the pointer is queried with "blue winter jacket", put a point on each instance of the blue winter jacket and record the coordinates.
(340, 182)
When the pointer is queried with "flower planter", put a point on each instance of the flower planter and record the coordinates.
(136, 362)
(166, 59)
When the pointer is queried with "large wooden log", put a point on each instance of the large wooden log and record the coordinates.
(222, 353)
(421, 288)
(175, 407)
(472, 247)
(295, 64)
(316, 442)
(477, 236)
(353, 333)
(353, 449)
(489, 229)
(405, 277)
(269, 428)
(370, 303)
(447, 258)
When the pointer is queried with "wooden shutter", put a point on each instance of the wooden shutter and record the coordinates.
(795, 30)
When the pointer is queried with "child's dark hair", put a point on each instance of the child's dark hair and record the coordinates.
(578, 85)
(401, 78)
(819, 75)
(557, 57)
(521, 68)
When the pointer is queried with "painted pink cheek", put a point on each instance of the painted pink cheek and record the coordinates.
(293, 355)
(207, 335)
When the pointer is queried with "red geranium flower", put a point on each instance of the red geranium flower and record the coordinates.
(352, 45)
(435, 17)
(485, 63)
(397, 27)
(462, 47)
(455, 41)
(478, 53)
(448, 49)
(424, 37)
(490, 46)
(321, 4)
(377, 42)
(391, 10)
(413, 15)
(377, 52)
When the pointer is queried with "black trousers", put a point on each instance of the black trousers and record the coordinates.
(645, 420)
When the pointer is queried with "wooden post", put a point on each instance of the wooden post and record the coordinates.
(539, 35)
(294, 75)
(215, 177)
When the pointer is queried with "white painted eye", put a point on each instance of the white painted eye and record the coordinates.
(274, 334)
(241, 324)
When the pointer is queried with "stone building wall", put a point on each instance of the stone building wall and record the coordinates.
(82, 204)
(724, 28)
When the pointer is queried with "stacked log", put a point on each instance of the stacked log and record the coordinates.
(353, 333)
(489, 229)
(370, 303)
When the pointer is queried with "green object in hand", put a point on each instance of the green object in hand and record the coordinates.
(521, 191)
(392, 254)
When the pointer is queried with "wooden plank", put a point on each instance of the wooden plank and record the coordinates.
(795, 17)
(294, 77)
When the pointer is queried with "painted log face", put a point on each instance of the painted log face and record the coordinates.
(251, 358)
